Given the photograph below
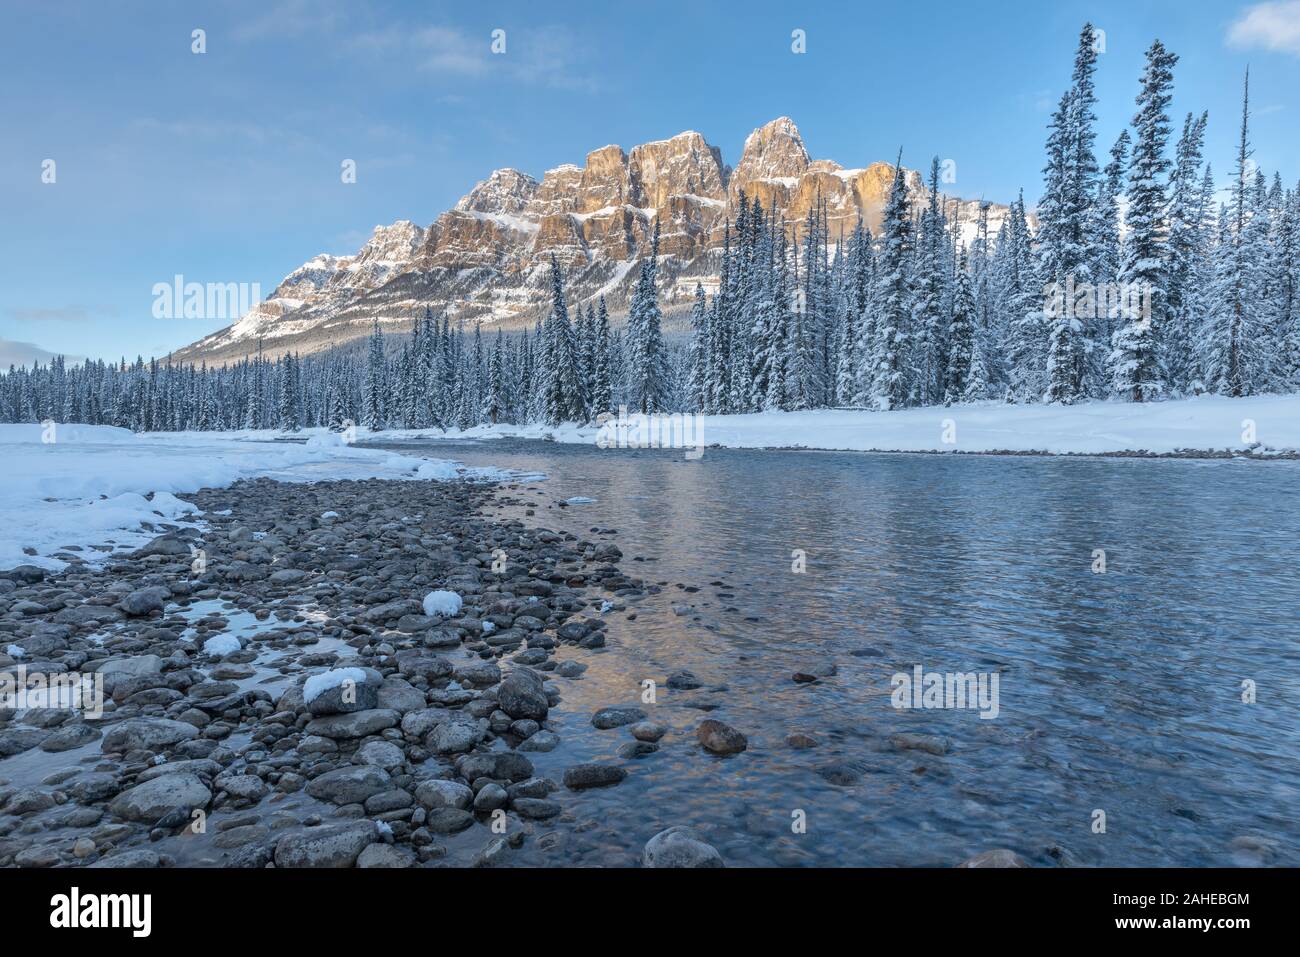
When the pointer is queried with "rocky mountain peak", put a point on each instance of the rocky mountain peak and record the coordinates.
(774, 151)
(485, 259)
(396, 243)
(506, 191)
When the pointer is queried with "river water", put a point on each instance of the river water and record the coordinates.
(1121, 735)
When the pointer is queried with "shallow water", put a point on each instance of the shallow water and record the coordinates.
(1118, 692)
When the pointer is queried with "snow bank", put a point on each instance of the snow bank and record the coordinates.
(1203, 424)
(441, 603)
(86, 486)
(317, 685)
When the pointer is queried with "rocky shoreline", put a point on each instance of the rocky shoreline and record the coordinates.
(278, 694)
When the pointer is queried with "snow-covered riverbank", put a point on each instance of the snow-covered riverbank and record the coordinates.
(86, 485)
(1208, 424)
(89, 485)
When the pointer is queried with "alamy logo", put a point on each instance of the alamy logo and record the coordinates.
(1107, 300)
(65, 690)
(946, 689)
(656, 430)
(204, 300)
(74, 910)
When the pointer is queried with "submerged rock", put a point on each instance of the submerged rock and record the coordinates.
(721, 738)
(679, 847)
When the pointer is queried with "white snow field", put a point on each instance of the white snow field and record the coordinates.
(92, 484)
(1202, 424)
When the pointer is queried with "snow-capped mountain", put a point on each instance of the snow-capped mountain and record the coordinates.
(485, 258)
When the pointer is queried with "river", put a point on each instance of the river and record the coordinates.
(1124, 734)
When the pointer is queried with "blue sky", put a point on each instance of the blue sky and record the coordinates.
(224, 167)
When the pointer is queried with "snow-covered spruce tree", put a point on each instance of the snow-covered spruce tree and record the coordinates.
(587, 356)
(372, 409)
(252, 403)
(1137, 371)
(647, 361)
(494, 399)
(1286, 267)
(287, 410)
(740, 301)
(1110, 258)
(986, 369)
(927, 309)
(563, 394)
(698, 348)
(1068, 222)
(718, 382)
(961, 334)
(1110, 246)
(1187, 250)
(1233, 357)
(776, 324)
(890, 381)
(602, 390)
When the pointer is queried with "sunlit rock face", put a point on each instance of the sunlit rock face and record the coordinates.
(486, 259)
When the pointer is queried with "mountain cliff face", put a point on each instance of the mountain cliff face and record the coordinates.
(486, 258)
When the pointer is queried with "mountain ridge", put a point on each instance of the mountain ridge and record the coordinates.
(485, 259)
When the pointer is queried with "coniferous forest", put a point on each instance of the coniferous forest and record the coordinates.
(1139, 276)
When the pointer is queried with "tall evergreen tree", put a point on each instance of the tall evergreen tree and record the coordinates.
(647, 360)
(1136, 366)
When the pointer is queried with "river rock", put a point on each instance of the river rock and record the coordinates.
(448, 820)
(535, 809)
(721, 738)
(521, 695)
(998, 857)
(455, 736)
(135, 666)
(71, 736)
(929, 743)
(170, 545)
(147, 734)
(17, 740)
(582, 776)
(648, 731)
(358, 724)
(811, 671)
(337, 846)
(541, 741)
(144, 600)
(243, 787)
(350, 695)
(437, 793)
(499, 765)
(350, 785)
(385, 855)
(147, 803)
(137, 859)
(381, 754)
(679, 847)
(607, 718)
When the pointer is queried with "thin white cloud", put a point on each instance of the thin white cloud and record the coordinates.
(443, 50)
(290, 18)
(548, 56)
(1268, 26)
